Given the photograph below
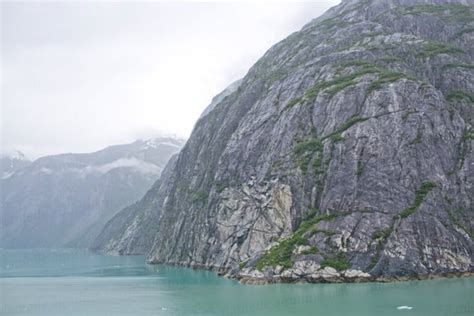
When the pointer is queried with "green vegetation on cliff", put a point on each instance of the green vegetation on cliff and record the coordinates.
(281, 253)
(420, 196)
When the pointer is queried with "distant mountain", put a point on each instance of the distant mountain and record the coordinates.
(10, 163)
(64, 200)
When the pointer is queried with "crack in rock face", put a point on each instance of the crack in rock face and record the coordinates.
(249, 219)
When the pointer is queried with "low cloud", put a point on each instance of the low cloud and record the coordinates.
(78, 76)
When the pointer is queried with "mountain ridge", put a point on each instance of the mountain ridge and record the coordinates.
(71, 195)
(344, 154)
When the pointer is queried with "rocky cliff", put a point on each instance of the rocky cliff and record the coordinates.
(65, 200)
(345, 153)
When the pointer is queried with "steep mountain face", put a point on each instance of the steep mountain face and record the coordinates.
(218, 98)
(346, 153)
(10, 163)
(64, 200)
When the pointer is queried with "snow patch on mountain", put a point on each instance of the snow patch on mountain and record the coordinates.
(14, 155)
(134, 163)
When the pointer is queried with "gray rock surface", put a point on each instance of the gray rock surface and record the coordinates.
(65, 200)
(353, 136)
(218, 98)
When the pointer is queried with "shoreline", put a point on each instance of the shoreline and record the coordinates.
(327, 275)
(347, 280)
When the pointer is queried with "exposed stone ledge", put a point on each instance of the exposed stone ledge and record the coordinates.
(313, 274)
(328, 275)
(304, 272)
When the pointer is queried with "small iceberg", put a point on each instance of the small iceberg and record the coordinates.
(404, 307)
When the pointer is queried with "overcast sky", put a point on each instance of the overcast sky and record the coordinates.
(79, 76)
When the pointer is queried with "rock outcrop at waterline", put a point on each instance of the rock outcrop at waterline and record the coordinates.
(347, 147)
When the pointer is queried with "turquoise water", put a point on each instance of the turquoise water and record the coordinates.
(48, 282)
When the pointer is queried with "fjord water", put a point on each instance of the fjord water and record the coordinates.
(63, 282)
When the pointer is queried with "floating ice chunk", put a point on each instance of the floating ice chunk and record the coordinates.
(404, 307)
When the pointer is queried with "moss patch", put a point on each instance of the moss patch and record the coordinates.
(453, 216)
(199, 197)
(458, 65)
(432, 48)
(376, 257)
(360, 168)
(340, 82)
(293, 102)
(385, 76)
(383, 233)
(446, 12)
(281, 253)
(381, 236)
(420, 196)
(348, 124)
(311, 251)
(468, 135)
(337, 261)
(306, 150)
(325, 232)
(464, 31)
(220, 186)
(311, 146)
(459, 95)
(337, 84)
(391, 59)
(417, 139)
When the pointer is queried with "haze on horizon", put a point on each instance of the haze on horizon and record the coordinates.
(79, 76)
